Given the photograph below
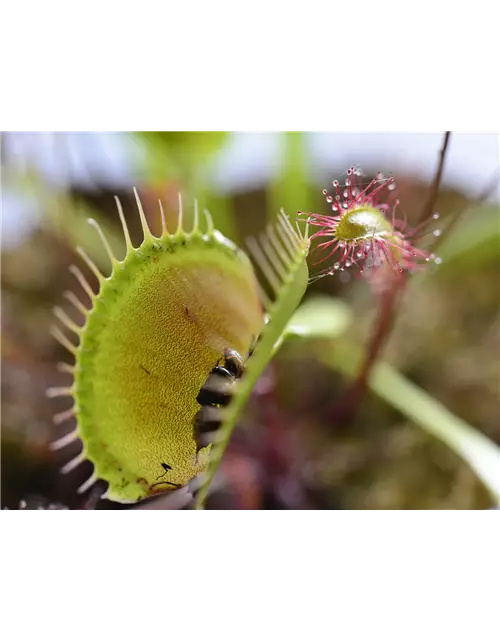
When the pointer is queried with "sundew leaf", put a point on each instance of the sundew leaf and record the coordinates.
(281, 257)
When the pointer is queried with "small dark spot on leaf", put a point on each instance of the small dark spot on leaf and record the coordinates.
(188, 315)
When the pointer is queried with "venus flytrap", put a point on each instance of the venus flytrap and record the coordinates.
(160, 322)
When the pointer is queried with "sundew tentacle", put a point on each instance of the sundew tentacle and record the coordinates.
(364, 230)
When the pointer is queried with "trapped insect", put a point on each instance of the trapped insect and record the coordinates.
(217, 392)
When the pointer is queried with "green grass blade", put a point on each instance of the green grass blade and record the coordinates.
(478, 451)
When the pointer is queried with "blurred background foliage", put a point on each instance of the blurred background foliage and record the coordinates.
(289, 451)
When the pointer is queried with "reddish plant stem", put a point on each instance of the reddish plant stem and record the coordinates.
(278, 453)
(351, 398)
(433, 195)
(388, 303)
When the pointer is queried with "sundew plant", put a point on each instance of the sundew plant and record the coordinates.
(169, 342)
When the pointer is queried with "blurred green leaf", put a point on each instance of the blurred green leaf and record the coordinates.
(289, 189)
(320, 317)
(179, 155)
(476, 237)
